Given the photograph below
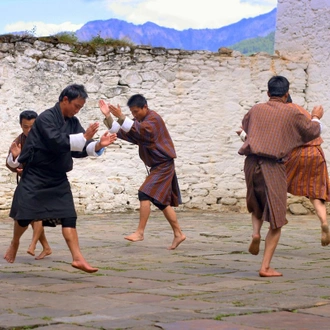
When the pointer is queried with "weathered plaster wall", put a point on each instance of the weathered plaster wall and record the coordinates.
(202, 97)
(302, 33)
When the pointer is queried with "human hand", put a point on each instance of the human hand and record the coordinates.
(15, 149)
(106, 139)
(19, 170)
(91, 130)
(104, 108)
(238, 132)
(116, 111)
(317, 112)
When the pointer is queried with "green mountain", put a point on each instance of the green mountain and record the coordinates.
(256, 45)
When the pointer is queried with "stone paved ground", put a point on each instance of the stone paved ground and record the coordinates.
(209, 282)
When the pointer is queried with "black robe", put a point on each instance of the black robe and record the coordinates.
(44, 190)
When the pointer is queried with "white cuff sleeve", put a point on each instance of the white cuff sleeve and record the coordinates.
(243, 136)
(318, 120)
(115, 127)
(127, 124)
(90, 149)
(11, 162)
(77, 142)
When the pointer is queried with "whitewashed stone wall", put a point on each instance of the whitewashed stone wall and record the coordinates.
(202, 97)
(302, 34)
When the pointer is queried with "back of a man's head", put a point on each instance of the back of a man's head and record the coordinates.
(278, 86)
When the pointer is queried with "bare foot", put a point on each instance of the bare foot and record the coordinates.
(325, 238)
(84, 266)
(11, 252)
(254, 246)
(43, 254)
(269, 272)
(30, 250)
(135, 237)
(176, 242)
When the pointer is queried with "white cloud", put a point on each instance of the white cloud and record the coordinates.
(177, 14)
(184, 14)
(42, 29)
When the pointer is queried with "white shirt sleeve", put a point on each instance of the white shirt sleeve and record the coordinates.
(90, 149)
(115, 127)
(127, 124)
(318, 120)
(243, 135)
(77, 142)
(11, 162)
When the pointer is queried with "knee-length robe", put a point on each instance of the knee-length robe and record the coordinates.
(306, 168)
(273, 130)
(44, 190)
(156, 150)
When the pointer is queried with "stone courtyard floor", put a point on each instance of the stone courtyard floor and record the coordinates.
(209, 282)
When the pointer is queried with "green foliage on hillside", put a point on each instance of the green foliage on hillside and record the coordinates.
(256, 45)
(71, 38)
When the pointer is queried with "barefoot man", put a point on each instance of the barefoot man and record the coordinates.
(272, 129)
(156, 150)
(44, 192)
(26, 120)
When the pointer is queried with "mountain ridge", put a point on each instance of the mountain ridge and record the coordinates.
(154, 35)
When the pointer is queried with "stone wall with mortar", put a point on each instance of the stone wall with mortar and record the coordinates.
(302, 34)
(201, 95)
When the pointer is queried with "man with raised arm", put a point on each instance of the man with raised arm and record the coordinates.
(156, 150)
(272, 129)
(44, 192)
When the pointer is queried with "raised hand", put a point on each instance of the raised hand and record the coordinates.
(91, 130)
(15, 149)
(116, 111)
(106, 139)
(317, 111)
(104, 108)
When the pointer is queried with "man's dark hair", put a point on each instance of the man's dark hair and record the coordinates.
(289, 99)
(278, 86)
(28, 115)
(137, 100)
(72, 92)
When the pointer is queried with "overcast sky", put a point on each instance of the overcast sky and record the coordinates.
(48, 17)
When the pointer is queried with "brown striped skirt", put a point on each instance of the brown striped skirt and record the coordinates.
(266, 189)
(307, 173)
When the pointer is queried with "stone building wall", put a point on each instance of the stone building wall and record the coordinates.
(302, 34)
(201, 95)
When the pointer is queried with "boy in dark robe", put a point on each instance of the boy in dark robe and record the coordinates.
(156, 150)
(26, 121)
(44, 192)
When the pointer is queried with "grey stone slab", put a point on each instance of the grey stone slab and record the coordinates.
(13, 320)
(142, 285)
(63, 327)
(141, 298)
(321, 309)
(202, 324)
(282, 321)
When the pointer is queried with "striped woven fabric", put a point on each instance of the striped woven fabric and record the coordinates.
(273, 130)
(156, 150)
(307, 173)
(266, 189)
